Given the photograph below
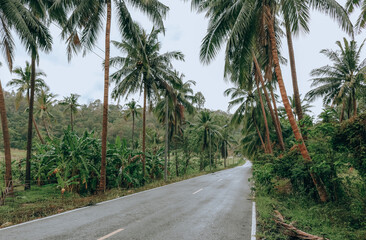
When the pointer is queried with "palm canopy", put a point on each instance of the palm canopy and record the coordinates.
(143, 67)
(45, 101)
(23, 82)
(88, 16)
(343, 78)
(206, 128)
(32, 33)
(239, 22)
(178, 102)
(351, 5)
(132, 109)
(71, 103)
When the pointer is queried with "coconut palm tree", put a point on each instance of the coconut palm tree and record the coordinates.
(305, 106)
(339, 83)
(296, 16)
(199, 100)
(89, 16)
(249, 113)
(43, 42)
(171, 110)
(72, 105)
(238, 23)
(225, 142)
(143, 69)
(132, 110)
(45, 101)
(23, 81)
(351, 5)
(206, 129)
(23, 88)
(33, 34)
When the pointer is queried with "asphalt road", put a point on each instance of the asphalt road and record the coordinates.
(211, 207)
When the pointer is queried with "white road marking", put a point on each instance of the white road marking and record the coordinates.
(108, 201)
(111, 234)
(254, 223)
(197, 191)
(247, 164)
(219, 180)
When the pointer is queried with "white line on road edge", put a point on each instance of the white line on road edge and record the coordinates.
(112, 200)
(247, 164)
(111, 234)
(197, 191)
(40, 219)
(254, 223)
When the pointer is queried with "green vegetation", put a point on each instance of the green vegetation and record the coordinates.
(312, 171)
(281, 183)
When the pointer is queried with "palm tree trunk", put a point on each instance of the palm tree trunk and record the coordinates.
(342, 111)
(6, 137)
(166, 137)
(210, 153)
(293, 73)
(30, 124)
(103, 179)
(275, 108)
(37, 131)
(225, 157)
(304, 152)
(71, 120)
(47, 130)
(176, 161)
(144, 133)
(260, 136)
(354, 103)
(133, 129)
(268, 140)
(34, 122)
(275, 123)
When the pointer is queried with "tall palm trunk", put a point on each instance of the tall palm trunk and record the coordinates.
(34, 122)
(260, 136)
(304, 152)
(30, 123)
(144, 134)
(37, 131)
(133, 129)
(166, 137)
(293, 73)
(46, 127)
(342, 111)
(225, 154)
(103, 179)
(275, 123)
(6, 137)
(354, 101)
(72, 120)
(275, 108)
(176, 160)
(268, 140)
(210, 152)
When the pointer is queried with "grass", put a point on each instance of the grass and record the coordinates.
(331, 220)
(46, 200)
(16, 154)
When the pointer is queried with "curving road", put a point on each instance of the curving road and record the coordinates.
(210, 207)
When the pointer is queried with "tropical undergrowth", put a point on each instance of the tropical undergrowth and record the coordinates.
(283, 183)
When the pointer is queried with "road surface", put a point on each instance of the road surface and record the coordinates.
(210, 207)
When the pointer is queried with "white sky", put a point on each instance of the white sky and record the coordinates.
(184, 31)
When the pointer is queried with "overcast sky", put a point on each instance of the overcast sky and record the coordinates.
(184, 31)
